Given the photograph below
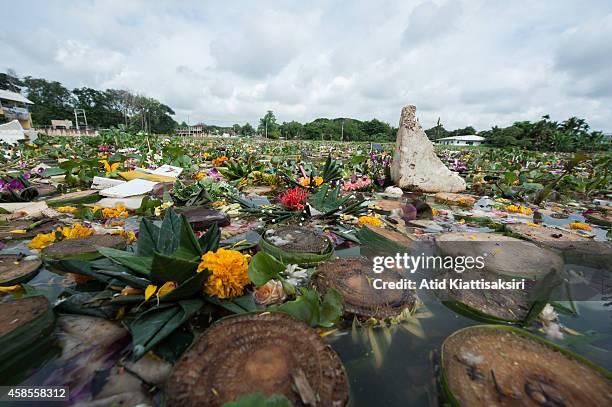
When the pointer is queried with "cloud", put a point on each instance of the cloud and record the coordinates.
(476, 63)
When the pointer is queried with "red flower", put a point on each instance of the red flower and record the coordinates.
(294, 198)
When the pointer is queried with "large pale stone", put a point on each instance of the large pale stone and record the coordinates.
(415, 163)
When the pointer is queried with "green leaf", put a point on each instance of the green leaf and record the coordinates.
(238, 305)
(331, 308)
(191, 287)
(305, 307)
(169, 268)
(170, 233)
(209, 241)
(309, 308)
(52, 171)
(139, 264)
(156, 324)
(263, 268)
(377, 243)
(148, 235)
(189, 247)
(358, 159)
(259, 400)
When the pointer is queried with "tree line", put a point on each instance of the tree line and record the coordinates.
(104, 109)
(573, 134)
(339, 129)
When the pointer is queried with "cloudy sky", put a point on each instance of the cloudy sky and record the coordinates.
(473, 62)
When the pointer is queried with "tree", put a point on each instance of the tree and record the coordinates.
(291, 130)
(437, 132)
(51, 100)
(268, 126)
(237, 129)
(10, 81)
(248, 130)
(98, 107)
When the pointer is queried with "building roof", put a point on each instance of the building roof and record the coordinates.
(15, 97)
(471, 137)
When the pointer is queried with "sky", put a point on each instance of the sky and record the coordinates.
(473, 62)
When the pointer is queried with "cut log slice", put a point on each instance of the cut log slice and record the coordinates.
(23, 322)
(503, 305)
(269, 353)
(573, 247)
(201, 218)
(13, 270)
(83, 248)
(297, 245)
(504, 255)
(353, 279)
(490, 365)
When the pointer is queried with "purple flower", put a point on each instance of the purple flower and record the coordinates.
(215, 174)
(15, 184)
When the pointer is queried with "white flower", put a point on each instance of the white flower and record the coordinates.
(547, 315)
(295, 275)
(553, 331)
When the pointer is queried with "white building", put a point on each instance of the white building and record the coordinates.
(470, 140)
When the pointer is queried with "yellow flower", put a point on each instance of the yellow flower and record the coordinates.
(166, 288)
(128, 234)
(77, 230)
(580, 226)
(228, 273)
(534, 225)
(199, 175)
(18, 232)
(318, 180)
(304, 181)
(149, 291)
(217, 204)
(523, 210)
(435, 212)
(119, 211)
(369, 220)
(10, 288)
(162, 207)
(42, 240)
(109, 167)
(66, 209)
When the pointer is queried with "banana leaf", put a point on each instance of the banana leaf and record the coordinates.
(153, 326)
(171, 268)
(189, 288)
